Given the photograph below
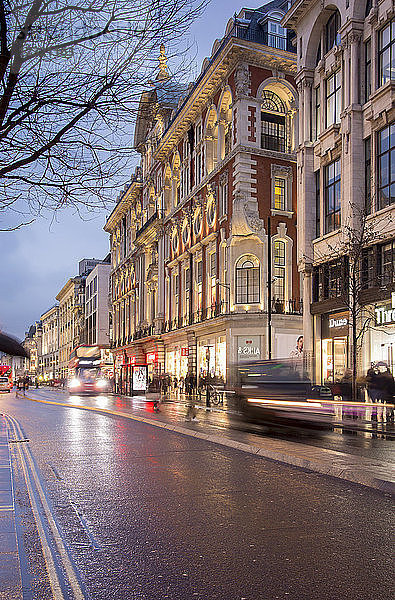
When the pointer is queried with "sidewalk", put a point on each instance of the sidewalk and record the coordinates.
(10, 578)
(373, 473)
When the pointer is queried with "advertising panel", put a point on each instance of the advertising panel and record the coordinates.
(140, 378)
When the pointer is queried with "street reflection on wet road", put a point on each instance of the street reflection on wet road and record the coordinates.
(147, 513)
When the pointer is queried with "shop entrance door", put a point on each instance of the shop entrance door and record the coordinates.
(334, 359)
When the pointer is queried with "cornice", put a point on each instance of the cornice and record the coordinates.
(123, 205)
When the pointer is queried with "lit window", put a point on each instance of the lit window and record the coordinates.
(247, 280)
(279, 193)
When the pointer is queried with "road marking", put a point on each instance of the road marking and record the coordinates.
(27, 460)
(355, 473)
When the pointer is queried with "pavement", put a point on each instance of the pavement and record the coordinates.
(362, 470)
(11, 586)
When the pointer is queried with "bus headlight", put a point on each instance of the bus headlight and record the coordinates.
(74, 383)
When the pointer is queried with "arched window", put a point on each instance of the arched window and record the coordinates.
(247, 280)
(279, 271)
(332, 35)
(273, 136)
(368, 7)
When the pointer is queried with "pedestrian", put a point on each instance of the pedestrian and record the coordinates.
(372, 381)
(346, 386)
(386, 386)
(36, 383)
(153, 393)
(190, 404)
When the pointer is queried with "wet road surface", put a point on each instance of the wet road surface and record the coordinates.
(148, 514)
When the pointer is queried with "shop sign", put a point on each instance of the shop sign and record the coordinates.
(249, 348)
(184, 351)
(340, 322)
(151, 357)
(385, 315)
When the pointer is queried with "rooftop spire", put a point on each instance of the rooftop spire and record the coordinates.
(163, 71)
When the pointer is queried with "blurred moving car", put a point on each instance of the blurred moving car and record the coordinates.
(5, 384)
(279, 392)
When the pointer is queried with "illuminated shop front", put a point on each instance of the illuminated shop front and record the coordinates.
(334, 346)
(381, 345)
(211, 357)
(177, 361)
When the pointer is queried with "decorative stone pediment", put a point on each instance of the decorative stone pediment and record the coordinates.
(246, 220)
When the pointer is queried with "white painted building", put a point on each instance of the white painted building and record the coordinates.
(97, 311)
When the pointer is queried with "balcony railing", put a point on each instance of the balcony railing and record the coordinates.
(156, 215)
(287, 307)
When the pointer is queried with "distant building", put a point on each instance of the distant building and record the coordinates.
(97, 309)
(203, 238)
(71, 311)
(50, 343)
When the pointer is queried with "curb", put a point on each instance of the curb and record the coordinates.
(347, 471)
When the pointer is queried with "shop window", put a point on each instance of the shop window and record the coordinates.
(332, 35)
(279, 200)
(247, 280)
(386, 166)
(333, 98)
(386, 70)
(387, 263)
(273, 136)
(279, 271)
(332, 196)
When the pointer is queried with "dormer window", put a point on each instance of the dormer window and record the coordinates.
(276, 36)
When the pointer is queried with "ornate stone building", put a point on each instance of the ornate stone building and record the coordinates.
(203, 238)
(346, 179)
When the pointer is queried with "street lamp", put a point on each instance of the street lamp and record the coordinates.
(226, 286)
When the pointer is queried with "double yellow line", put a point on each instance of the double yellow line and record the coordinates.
(36, 493)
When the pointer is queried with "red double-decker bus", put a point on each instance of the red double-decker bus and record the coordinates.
(5, 378)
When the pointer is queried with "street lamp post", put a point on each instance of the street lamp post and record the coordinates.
(226, 286)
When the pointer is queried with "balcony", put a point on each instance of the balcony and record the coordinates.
(158, 214)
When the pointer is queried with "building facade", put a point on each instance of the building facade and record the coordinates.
(203, 239)
(49, 358)
(346, 181)
(71, 300)
(97, 308)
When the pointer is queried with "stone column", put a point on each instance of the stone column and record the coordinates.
(354, 81)
(308, 338)
(307, 86)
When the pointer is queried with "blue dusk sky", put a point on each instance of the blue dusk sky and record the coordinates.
(38, 259)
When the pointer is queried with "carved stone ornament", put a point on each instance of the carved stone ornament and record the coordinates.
(242, 80)
(246, 220)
